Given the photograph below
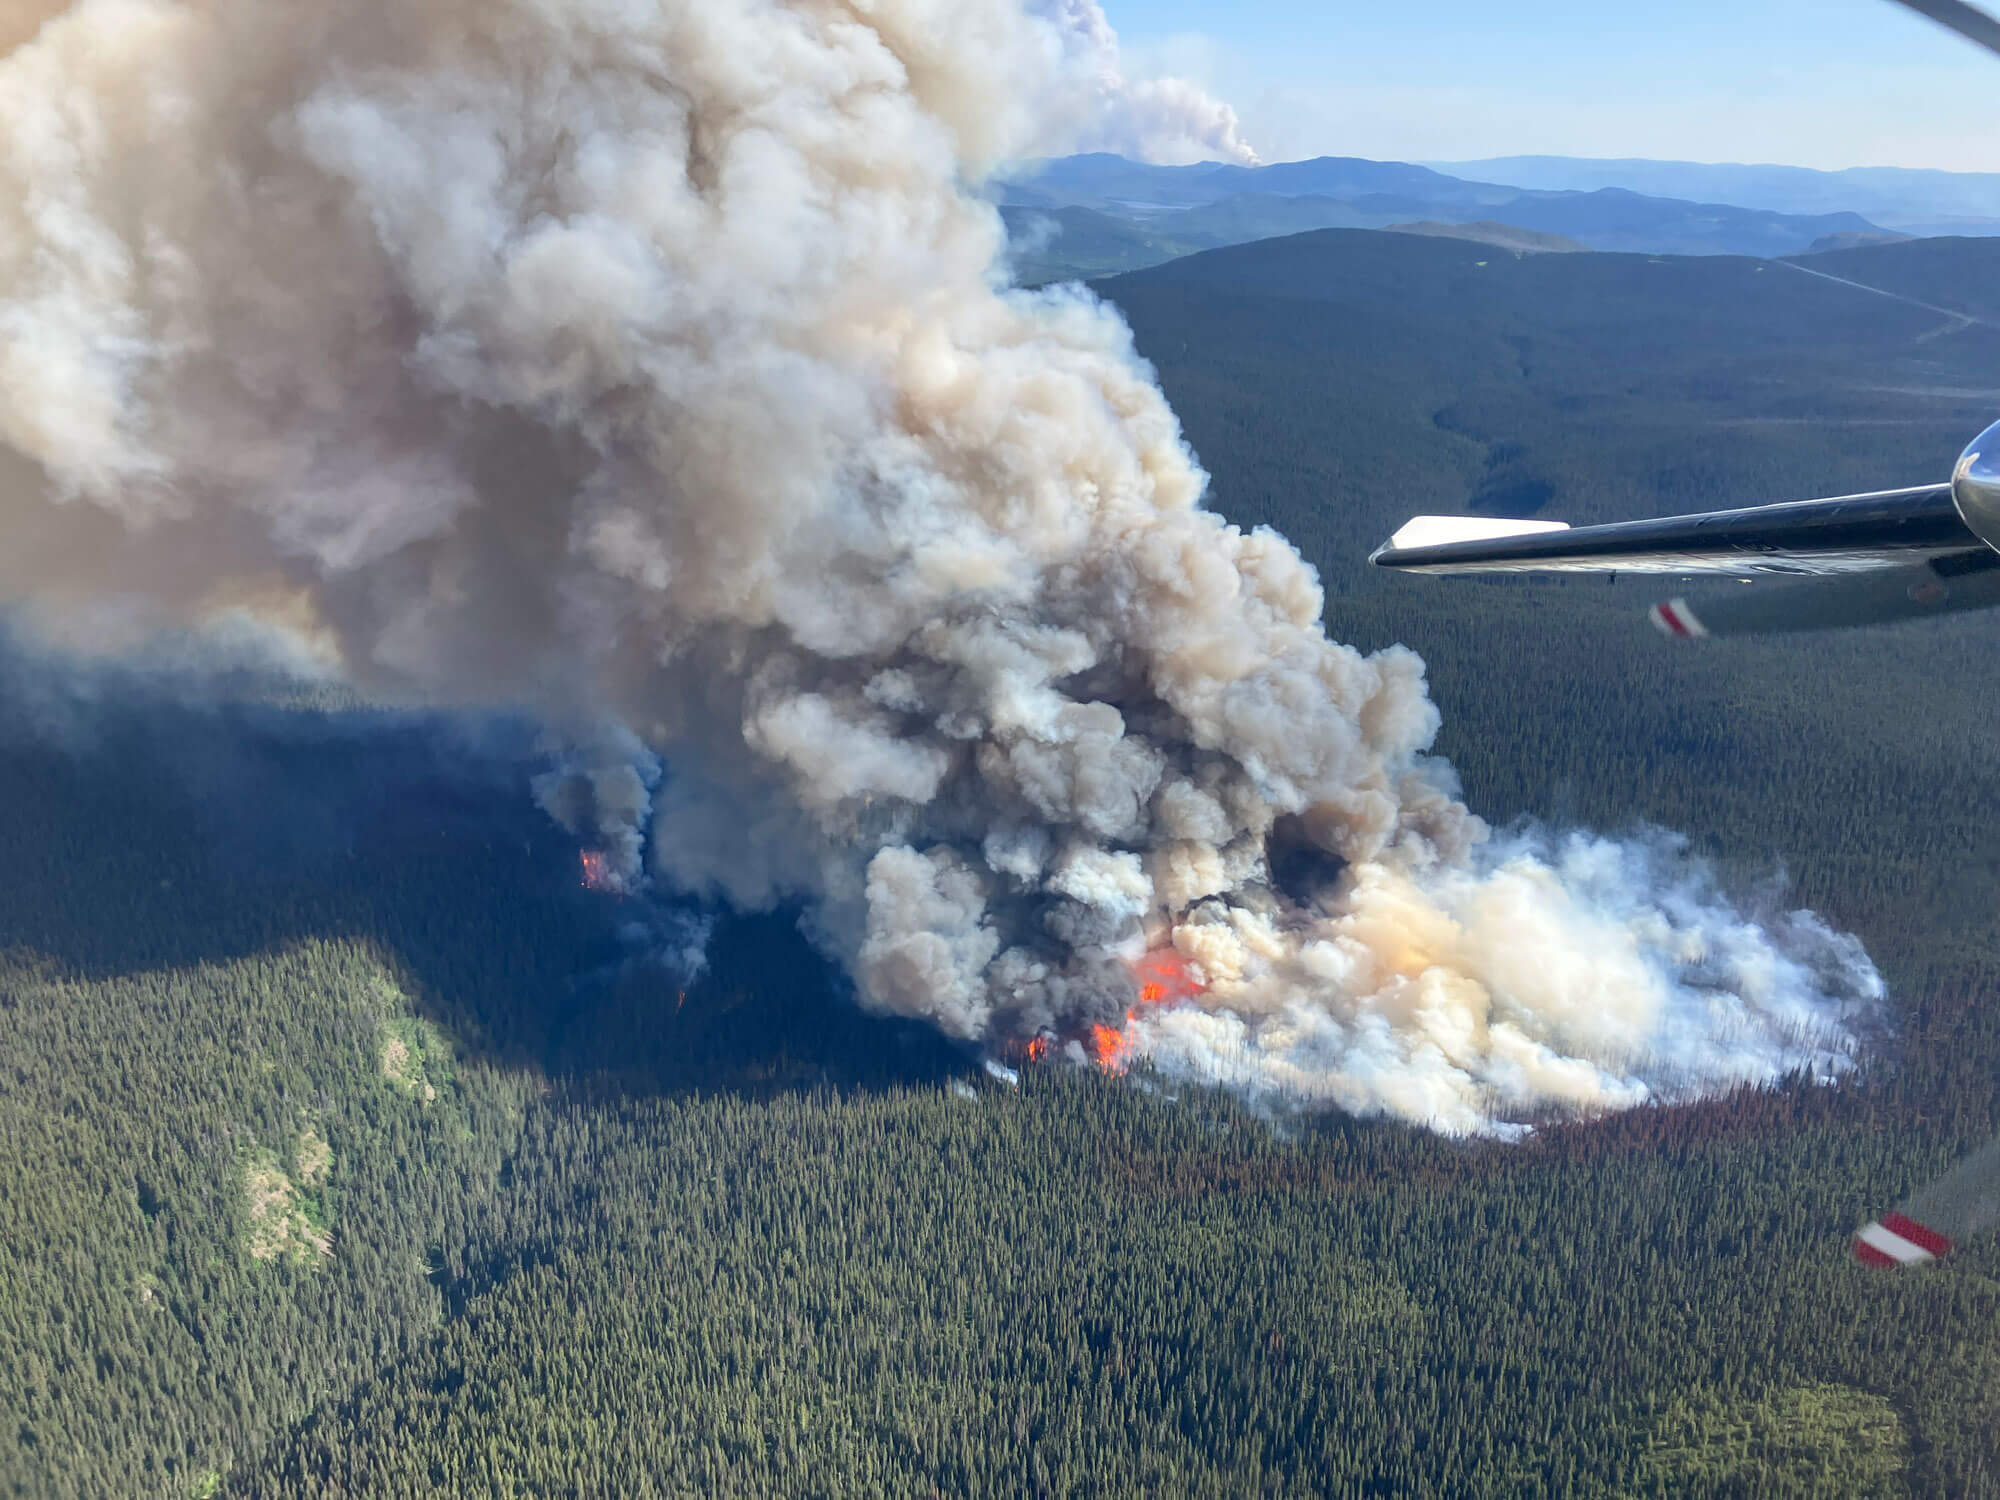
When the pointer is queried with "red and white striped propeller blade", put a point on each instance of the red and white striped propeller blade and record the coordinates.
(1897, 1240)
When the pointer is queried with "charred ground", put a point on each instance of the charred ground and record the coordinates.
(604, 1231)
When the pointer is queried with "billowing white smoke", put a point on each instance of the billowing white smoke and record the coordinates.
(1577, 973)
(1097, 108)
(645, 363)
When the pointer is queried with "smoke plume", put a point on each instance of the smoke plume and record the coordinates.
(1097, 108)
(646, 363)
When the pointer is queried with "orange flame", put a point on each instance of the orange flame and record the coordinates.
(597, 873)
(1164, 979)
(1110, 1048)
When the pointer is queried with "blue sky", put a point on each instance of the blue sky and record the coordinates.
(1818, 83)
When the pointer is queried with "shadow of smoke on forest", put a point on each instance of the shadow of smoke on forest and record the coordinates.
(147, 827)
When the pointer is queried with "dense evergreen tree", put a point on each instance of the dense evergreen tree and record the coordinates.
(343, 1150)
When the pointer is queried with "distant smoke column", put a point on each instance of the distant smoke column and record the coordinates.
(1154, 119)
(648, 365)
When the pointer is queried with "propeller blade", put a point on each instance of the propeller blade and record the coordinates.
(1970, 22)
(1962, 1203)
(1960, 581)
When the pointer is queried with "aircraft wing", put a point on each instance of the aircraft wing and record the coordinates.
(1843, 534)
(1963, 1202)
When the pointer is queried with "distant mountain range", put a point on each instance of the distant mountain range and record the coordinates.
(1918, 202)
(1096, 214)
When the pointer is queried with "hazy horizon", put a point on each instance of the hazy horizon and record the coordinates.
(1445, 163)
(1856, 83)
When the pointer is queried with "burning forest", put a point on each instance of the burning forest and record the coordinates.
(655, 368)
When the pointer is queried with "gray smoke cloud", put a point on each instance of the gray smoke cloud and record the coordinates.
(650, 364)
(601, 789)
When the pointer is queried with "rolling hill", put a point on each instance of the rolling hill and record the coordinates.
(1920, 201)
(1168, 210)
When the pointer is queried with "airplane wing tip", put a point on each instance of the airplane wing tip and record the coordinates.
(1441, 531)
(1835, 535)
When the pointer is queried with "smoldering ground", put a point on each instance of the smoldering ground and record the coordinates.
(649, 368)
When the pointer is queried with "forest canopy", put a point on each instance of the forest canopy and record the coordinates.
(349, 1148)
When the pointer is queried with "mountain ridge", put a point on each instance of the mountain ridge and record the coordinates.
(1895, 197)
(1149, 213)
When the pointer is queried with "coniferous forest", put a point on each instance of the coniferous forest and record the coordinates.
(348, 1146)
